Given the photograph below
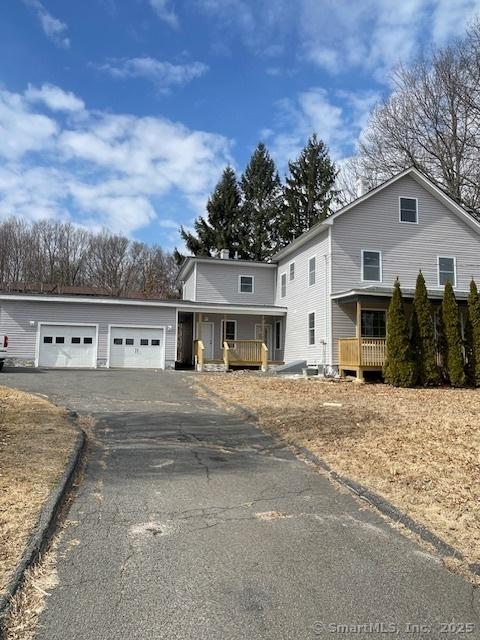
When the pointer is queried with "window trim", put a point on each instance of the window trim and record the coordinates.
(454, 258)
(246, 275)
(380, 265)
(290, 265)
(222, 330)
(312, 284)
(314, 329)
(400, 209)
(283, 275)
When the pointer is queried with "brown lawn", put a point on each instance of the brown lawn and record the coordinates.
(35, 442)
(420, 448)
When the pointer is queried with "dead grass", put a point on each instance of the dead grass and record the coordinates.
(420, 448)
(35, 442)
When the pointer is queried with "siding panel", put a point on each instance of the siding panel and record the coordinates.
(219, 283)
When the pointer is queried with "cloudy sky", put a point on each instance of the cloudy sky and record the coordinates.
(123, 113)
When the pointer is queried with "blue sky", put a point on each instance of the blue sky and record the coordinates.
(123, 113)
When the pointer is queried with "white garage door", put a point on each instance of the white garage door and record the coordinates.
(67, 346)
(137, 348)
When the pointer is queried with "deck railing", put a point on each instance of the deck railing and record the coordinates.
(246, 352)
(362, 352)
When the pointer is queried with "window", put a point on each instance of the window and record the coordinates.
(47, 340)
(129, 341)
(88, 341)
(312, 265)
(372, 266)
(118, 341)
(229, 329)
(409, 210)
(373, 324)
(278, 334)
(447, 271)
(76, 340)
(283, 285)
(155, 343)
(245, 284)
(292, 271)
(59, 340)
(143, 342)
(311, 328)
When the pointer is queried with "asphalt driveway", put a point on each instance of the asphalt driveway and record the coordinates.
(193, 524)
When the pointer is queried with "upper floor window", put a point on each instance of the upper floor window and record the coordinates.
(245, 284)
(292, 271)
(447, 271)
(311, 328)
(283, 285)
(312, 266)
(409, 210)
(372, 266)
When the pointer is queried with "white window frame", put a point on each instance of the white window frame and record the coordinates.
(283, 291)
(292, 264)
(312, 284)
(312, 313)
(381, 265)
(400, 209)
(454, 283)
(222, 329)
(246, 275)
(277, 330)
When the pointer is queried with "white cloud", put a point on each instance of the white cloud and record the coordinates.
(117, 170)
(165, 12)
(163, 74)
(54, 98)
(53, 28)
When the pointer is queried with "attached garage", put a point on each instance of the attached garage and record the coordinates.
(139, 347)
(67, 345)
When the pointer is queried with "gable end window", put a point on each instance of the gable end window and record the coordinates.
(283, 285)
(312, 266)
(447, 271)
(409, 210)
(311, 328)
(245, 284)
(372, 266)
(292, 271)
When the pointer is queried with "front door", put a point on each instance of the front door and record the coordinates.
(207, 338)
(268, 337)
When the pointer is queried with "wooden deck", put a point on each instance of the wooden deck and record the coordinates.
(236, 353)
(361, 354)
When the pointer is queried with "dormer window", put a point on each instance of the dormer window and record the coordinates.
(409, 210)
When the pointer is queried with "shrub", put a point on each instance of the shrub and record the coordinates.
(399, 367)
(472, 336)
(423, 338)
(454, 362)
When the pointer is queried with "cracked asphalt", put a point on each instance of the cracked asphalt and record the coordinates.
(191, 523)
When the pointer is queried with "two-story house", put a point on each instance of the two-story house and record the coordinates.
(322, 299)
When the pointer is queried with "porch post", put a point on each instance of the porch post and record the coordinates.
(199, 327)
(359, 339)
(224, 331)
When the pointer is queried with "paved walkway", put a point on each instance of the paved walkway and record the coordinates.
(192, 524)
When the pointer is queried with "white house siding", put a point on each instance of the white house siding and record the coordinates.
(16, 315)
(188, 292)
(406, 248)
(245, 331)
(302, 299)
(218, 282)
(344, 319)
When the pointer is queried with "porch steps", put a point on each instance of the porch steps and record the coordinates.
(214, 366)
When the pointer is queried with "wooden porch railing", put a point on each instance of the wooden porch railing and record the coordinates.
(362, 352)
(199, 353)
(248, 352)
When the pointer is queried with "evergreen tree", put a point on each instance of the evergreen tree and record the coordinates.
(262, 202)
(221, 229)
(309, 190)
(399, 369)
(472, 336)
(423, 338)
(453, 338)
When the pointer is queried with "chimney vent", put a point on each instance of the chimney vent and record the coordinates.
(224, 254)
(362, 187)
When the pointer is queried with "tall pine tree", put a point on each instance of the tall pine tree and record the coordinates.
(423, 337)
(472, 336)
(262, 202)
(399, 369)
(222, 228)
(454, 364)
(309, 190)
